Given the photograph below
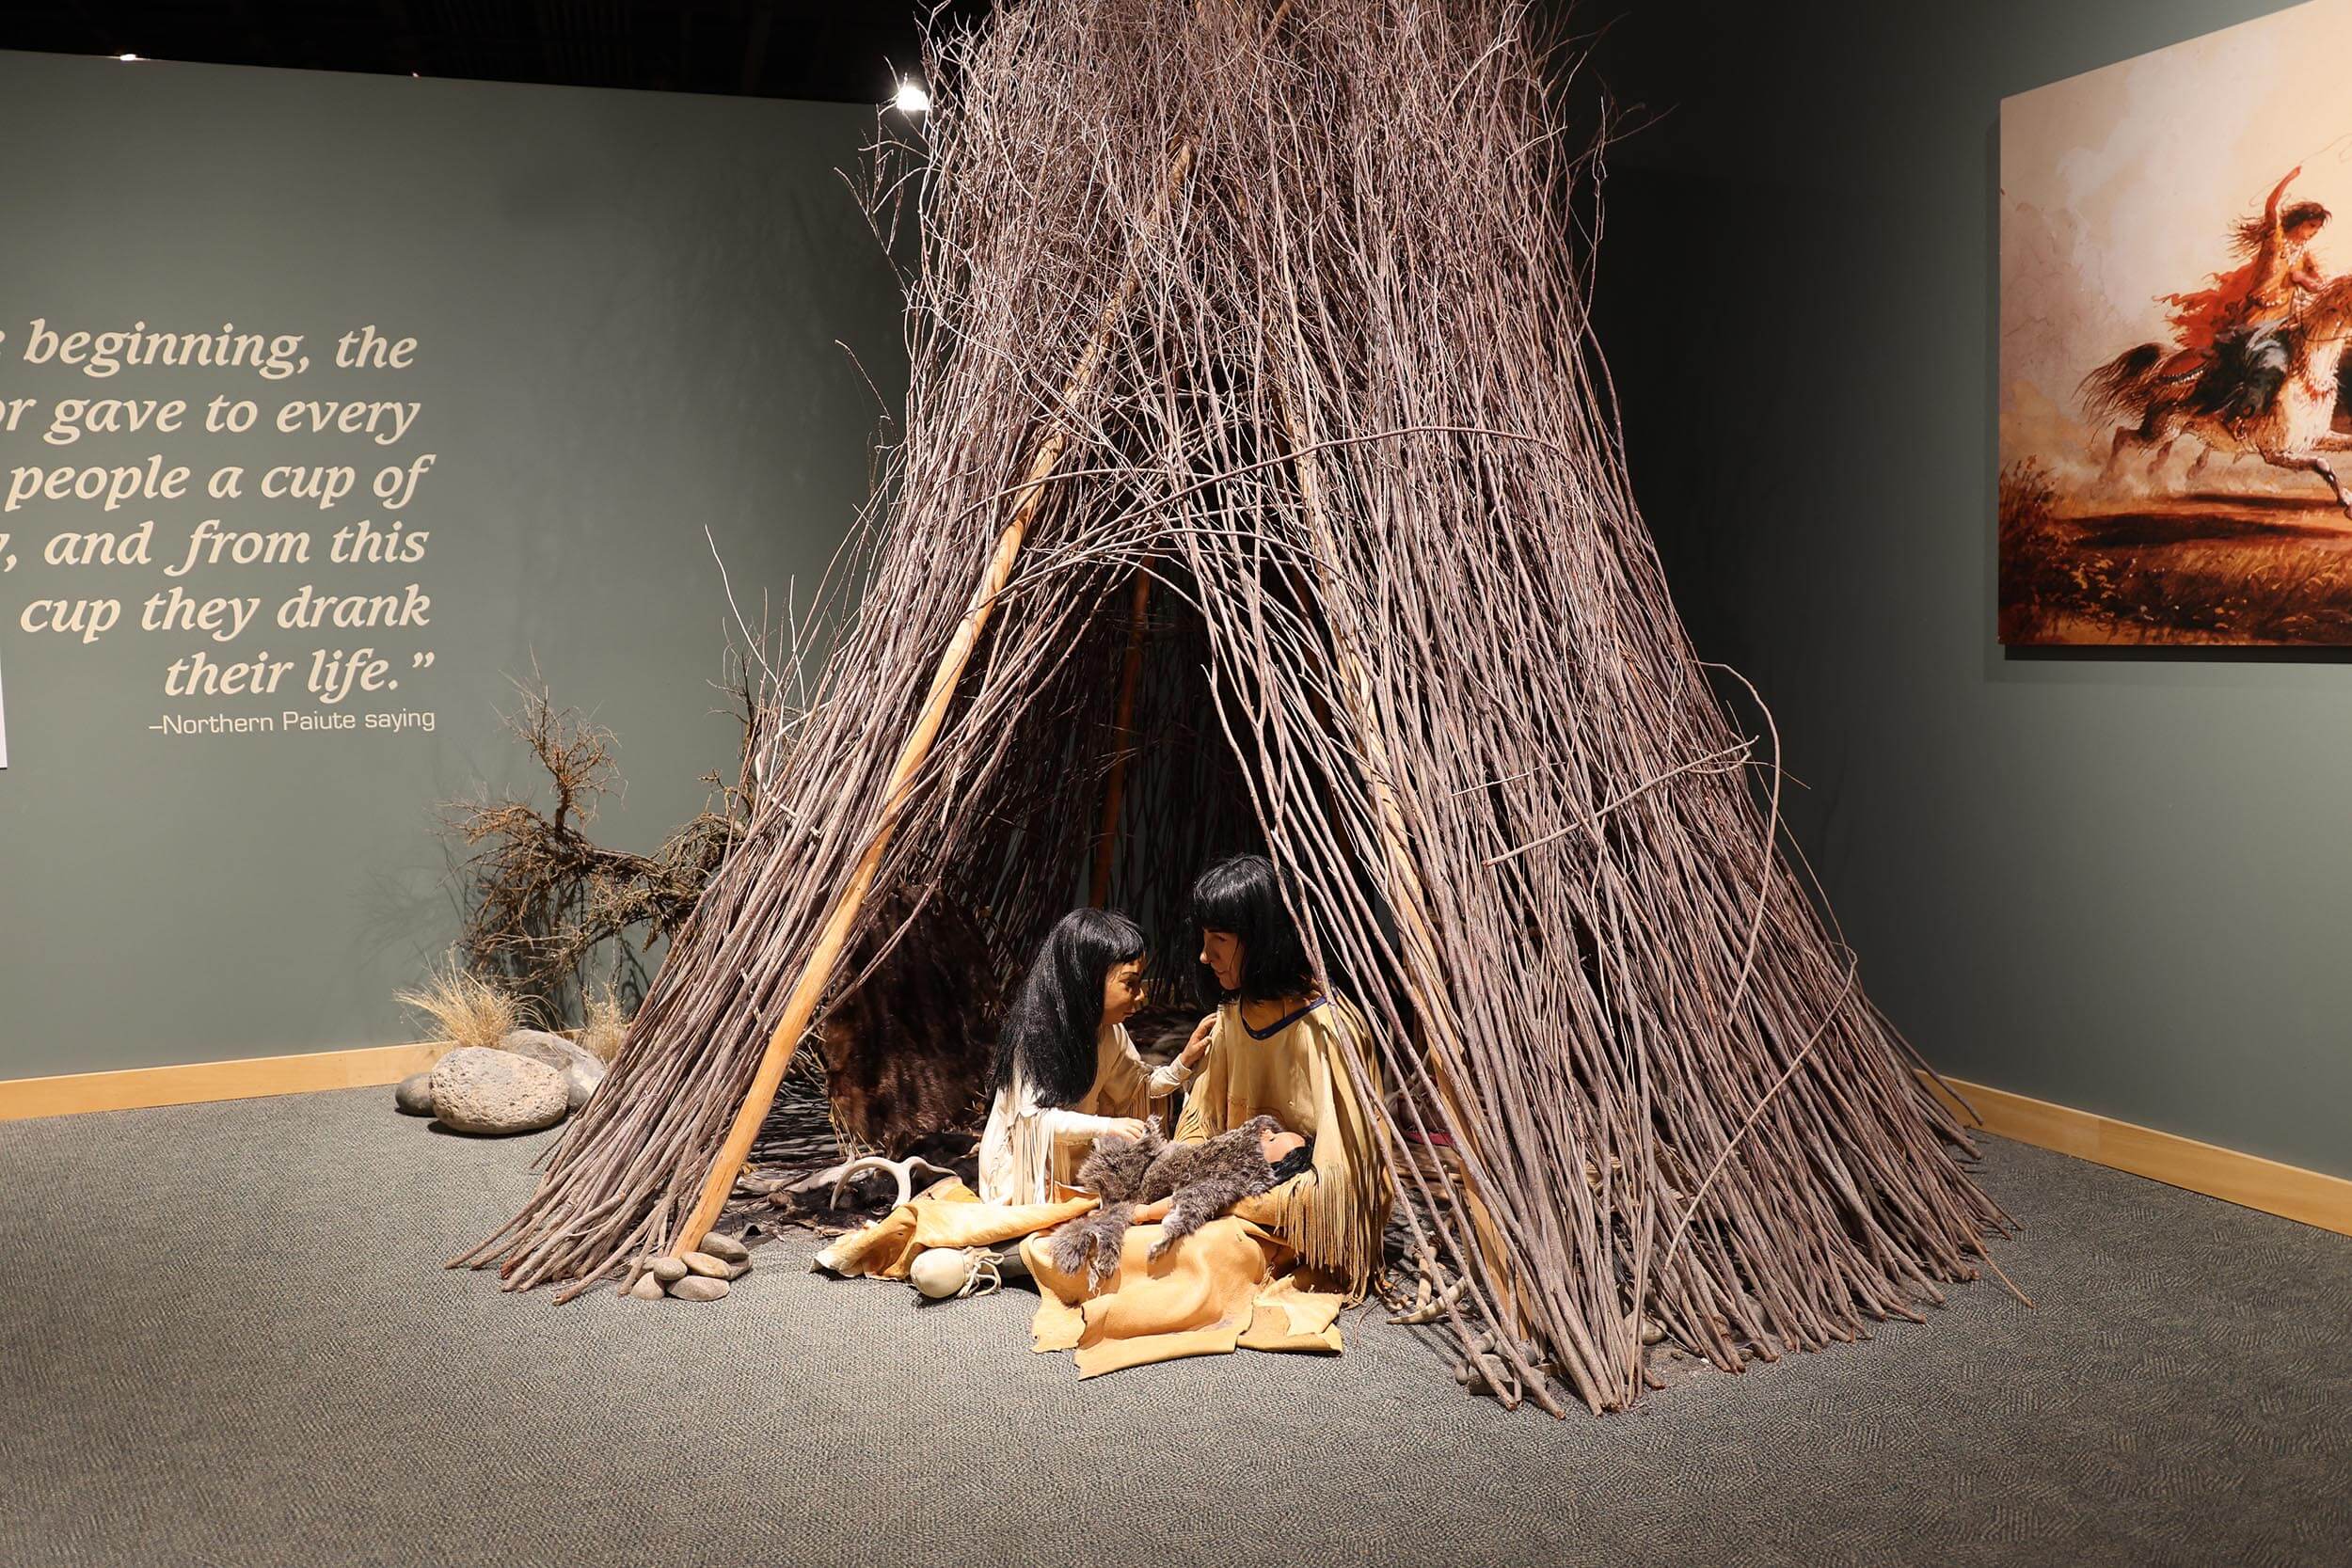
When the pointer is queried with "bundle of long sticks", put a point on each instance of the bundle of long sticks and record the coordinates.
(1280, 306)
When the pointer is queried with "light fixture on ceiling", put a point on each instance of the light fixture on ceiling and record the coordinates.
(911, 99)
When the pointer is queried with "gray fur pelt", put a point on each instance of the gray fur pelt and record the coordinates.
(1205, 1179)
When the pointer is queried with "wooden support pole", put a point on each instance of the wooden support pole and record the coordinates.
(799, 1008)
(1123, 734)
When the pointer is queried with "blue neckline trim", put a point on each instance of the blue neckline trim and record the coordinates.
(1279, 1024)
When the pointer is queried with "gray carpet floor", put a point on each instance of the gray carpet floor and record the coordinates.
(225, 1340)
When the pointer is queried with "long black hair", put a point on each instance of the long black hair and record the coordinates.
(2246, 237)
(1050, 1028)
(1244, 895)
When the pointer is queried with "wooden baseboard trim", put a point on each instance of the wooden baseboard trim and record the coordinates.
(190, 1083)
(2248, 1179)
(2288, 1191)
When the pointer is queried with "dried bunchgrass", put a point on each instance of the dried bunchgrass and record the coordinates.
(464, 1008)
(604, 1024)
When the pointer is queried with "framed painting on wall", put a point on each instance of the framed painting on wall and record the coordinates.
(2176, 307)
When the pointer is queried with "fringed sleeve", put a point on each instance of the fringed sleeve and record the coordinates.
(1124, 1086)
(1167, 1079)
(1027, 1148)
(1337, 1212)
(1016, 1152)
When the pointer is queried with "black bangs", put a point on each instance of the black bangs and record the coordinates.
(1244, 895)
(1227, 898)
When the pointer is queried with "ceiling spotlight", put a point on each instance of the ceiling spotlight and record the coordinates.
(126, 57)
(911, 99)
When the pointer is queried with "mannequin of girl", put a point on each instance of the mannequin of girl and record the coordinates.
(1289, 974)
(1281, 1045)
(1066, 1071)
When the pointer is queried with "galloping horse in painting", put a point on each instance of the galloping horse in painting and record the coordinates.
(2154, 406)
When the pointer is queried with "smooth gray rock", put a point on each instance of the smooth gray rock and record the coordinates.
(667, 1270)
(696, 1288)
(496, 1092)
(413, 1095)
(708, 1266)
(552, 1050)
(647, 1289)
(581, 1080)
(722, 1245)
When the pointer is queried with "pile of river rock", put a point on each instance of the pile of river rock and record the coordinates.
(529, 1080)
(700, 1275)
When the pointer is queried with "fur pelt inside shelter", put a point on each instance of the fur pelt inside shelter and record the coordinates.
(1205, 1179)
(907, 1048)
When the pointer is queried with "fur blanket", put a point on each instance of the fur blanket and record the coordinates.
(1205, 1179)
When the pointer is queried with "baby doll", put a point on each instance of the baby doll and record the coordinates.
(1203, 1181)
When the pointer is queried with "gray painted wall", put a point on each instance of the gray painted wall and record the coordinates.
(627, 305)
(2124, 884)
(2121, 884)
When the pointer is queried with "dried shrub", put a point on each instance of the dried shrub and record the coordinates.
(545, 903)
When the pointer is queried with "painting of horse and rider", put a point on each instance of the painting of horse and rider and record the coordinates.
(2176, 424)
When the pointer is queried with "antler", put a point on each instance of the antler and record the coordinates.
(840, 1176)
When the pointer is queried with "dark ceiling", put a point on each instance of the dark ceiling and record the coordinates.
(846, 51)
(843, 50)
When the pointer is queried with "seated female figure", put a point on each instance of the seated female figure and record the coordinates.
(1279, 1046)
(1066, 1071)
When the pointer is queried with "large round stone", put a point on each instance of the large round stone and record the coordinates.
(581, 1080)
(496, 1092)
(413, 1094)
(554, 1050)
(727, 1248)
